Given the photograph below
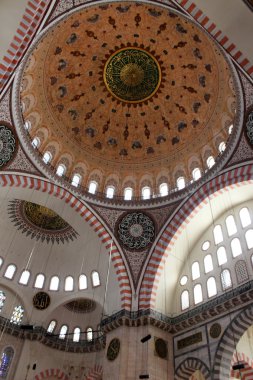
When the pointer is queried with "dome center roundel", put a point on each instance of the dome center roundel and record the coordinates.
(132, 75)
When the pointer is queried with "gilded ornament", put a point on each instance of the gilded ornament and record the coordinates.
(132, 75)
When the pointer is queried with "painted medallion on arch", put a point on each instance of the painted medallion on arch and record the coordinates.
(40, 222)
(136, 231)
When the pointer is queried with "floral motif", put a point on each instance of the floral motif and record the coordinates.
(136, 230)
(7, 145)
(40, 222)
(249, 128)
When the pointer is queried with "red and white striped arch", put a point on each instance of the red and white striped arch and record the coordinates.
(95, 373)
(222, 39)
(36, 10)
(38, 184)
(53, 372)
(233, 178)
(32, 17)
(245, 373)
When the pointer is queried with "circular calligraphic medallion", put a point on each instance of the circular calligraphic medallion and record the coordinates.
(132, 75)
(215, 330)
(41, 300)
(136, 230)
(161, 348)
(113, 349)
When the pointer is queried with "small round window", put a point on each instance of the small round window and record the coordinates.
(183, 280)
(205, 245)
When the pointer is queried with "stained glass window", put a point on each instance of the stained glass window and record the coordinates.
(2, 299)
(5, 363)
(17, 315)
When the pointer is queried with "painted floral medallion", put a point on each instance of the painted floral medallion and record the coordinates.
(39, 222)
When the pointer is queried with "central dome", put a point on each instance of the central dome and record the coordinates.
(118, 92)
(132, 75)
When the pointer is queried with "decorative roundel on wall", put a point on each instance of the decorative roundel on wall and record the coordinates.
(113, 349)
(215, 330)
(7, 145)
(41, 300)
(161, 348)
(249, 127)
(136, 230)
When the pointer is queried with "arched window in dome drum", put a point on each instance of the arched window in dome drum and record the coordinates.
(128, 193)
(95, 279)
(10, 271)
(54, 283)
(195, 270)
(93, 187)
(249, 238)
(51, 326)
(226, 281)
(36, 142)
(110, 190)
(245, 217)
(24, 278)
(236, 247)
(185, 302)
(69, 284)
(196, 174)
(47, 157)
(27, 125)
(1, 261)
(83, 282)
(210, 162)
(217, 234)
(5, 362)
(163, 189)
(17, 315)
(2, 299)
(89, 334)
(231, 226)
(221, 255)
(39, 282)
(208, 263)
(180, 183)
(230, 129)
(197, 292)
(222, 147)
(63, 332)
(76, 180)
(61, 170)
(211, 287)
(76, 335)
(146, 192)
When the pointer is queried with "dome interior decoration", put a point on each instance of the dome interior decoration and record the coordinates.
(114, 95)
(40, 222)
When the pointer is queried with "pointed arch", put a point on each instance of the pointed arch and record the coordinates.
(228, 342)
(234, 178)
(58, 373)
(189, 366)
(39, 184)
